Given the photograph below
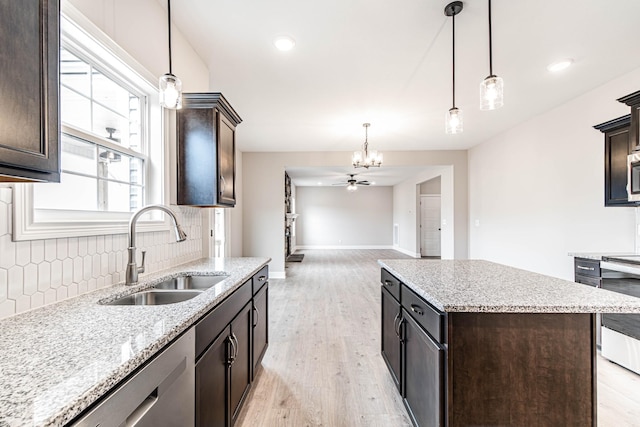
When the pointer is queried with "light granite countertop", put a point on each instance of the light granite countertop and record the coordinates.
(57, 360)
(483, 286)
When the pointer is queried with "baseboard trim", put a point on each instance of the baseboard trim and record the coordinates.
(406, 252)
(277, 275)
(345, 247)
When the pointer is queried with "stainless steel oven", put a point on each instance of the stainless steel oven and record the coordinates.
(621, 332)
(633, 176)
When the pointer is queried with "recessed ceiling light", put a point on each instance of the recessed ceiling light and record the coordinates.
(560, 65)
(373, 183)
(284, 43)
(319, 183)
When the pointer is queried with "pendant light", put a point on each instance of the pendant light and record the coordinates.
(170, 85)
(492, 87)
(453, 123)
(365, 158)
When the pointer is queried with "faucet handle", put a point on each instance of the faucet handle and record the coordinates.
(141, 268)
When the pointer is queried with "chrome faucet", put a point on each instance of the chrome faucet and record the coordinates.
(132, 267)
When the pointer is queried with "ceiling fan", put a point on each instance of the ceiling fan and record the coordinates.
(352, 183)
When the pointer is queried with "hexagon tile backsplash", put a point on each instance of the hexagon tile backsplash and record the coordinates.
(40, 272)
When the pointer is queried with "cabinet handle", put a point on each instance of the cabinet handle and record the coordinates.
(396, 325)
(388, 283)
(585, 268)
(400, 330)
(257, 316)
(223, 184)
(262, 278)
(235, 356)
(417, 309)
(234, 350)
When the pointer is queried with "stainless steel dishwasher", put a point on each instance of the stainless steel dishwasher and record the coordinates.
(161, 393)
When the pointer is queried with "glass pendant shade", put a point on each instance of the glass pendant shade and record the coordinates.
(491, 93)
(170, 92)
(453, 121)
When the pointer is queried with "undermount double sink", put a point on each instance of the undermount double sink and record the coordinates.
(176, 289)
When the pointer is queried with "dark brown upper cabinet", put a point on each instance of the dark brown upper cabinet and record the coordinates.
(29, 120)
(617, 146)
(206, 169)
(633, 101)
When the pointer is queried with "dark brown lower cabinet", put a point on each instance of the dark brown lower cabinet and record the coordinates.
(212, 379)
(422, 374)
(390, 335)
(240, 366)
(230, 342)
(260, 326)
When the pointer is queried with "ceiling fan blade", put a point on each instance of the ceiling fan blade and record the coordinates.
(363, 183)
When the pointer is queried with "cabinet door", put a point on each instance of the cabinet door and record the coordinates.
(226, 159)
(212, 372)
(29, 131)
(390, 338)
(617, 147)
(260, 326)
(240, 370)
(422, 375)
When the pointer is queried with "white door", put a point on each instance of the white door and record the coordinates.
(430, 225)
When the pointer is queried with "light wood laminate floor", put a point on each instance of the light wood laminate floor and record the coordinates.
(323, 365)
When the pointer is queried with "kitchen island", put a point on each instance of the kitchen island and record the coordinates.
(470, 342)
(57, 361)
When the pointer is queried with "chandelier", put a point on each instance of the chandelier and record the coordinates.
(365, 158)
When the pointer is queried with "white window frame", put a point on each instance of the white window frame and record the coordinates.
(47, 224)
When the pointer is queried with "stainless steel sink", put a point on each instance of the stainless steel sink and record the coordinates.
(155, 297)
(190, 282)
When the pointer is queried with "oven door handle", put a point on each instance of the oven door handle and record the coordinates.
(619, 267)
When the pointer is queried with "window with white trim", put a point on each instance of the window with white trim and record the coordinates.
(103, 140)
(112, 145)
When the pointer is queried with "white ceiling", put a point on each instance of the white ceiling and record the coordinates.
(389, 63)
(329, 176)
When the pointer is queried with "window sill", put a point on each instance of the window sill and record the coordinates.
(30, 225)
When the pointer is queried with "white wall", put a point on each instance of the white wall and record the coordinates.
(334, 217)
(537, 191)
(431, 186)
(263, 196)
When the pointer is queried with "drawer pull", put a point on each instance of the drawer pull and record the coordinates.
(388, 283)
(585, 268)
(417, 309)
(262, 278)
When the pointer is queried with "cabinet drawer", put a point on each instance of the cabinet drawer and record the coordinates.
(213, 323)
(390, 283)
(587, 267)
(428, 317)
(589, 280)
(260, 278)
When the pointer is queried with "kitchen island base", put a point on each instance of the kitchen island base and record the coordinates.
(517, 369)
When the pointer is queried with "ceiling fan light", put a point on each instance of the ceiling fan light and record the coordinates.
(453, 121)
(491, 93)
(170, 92)
(352, 187)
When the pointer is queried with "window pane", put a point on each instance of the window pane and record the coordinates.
(110, 94)
(75, 73)
(78, 156)
(106, 123)
(117, 196)
(78, 193)
(119, 167)
(75, 109)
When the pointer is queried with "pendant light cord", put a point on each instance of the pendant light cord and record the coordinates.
(453, 17)
(490, 44)
(169, 27)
